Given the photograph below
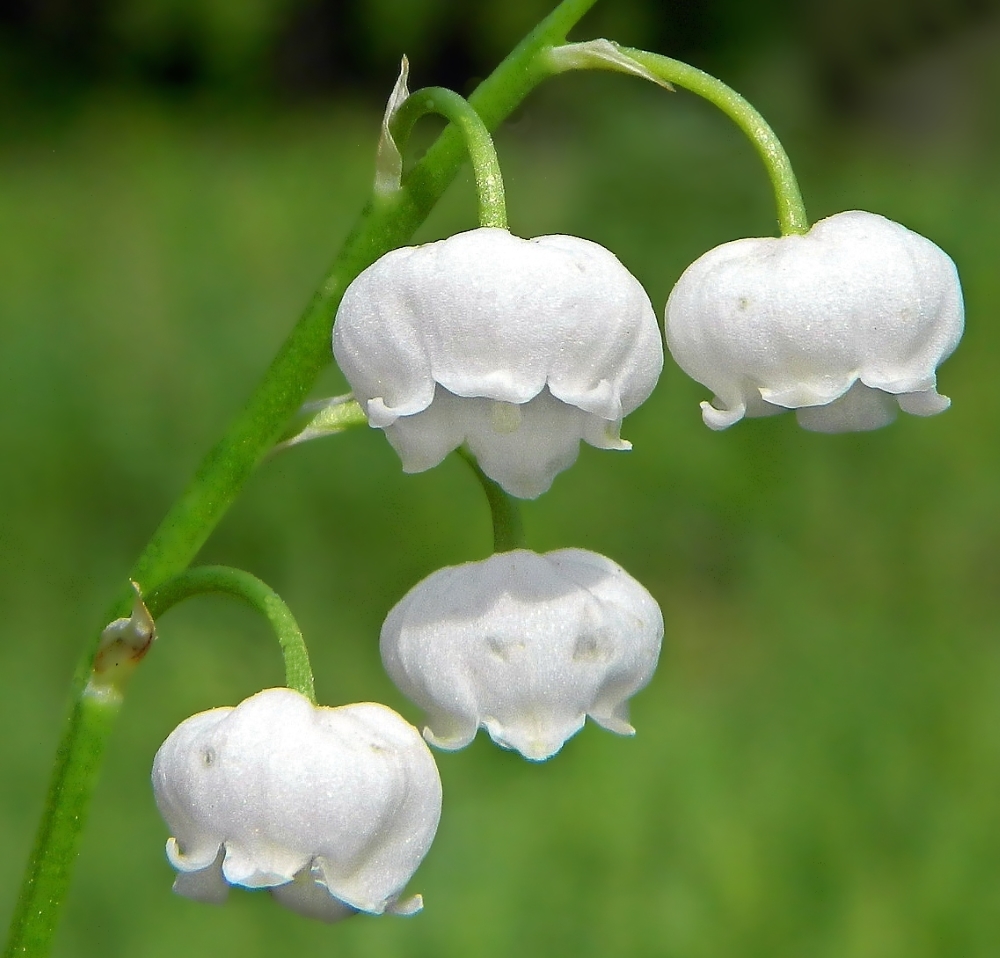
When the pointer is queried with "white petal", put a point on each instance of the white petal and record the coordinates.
(521, 447)
(308, 896)
(179, 765)
(423, 440)
(526, 461)
(860, 409)
(406, 906)
(525, 646)
(797, 321)
(929, 402)
(204, 884)
(537, 736)
(260, 864)
(281, 784)
(500, 317)
(485, 316)
(724, 417)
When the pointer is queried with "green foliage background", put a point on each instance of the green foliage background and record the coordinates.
(817, 765)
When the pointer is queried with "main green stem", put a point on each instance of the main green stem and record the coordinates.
(258, 595)
(479, 143)
(226, 469)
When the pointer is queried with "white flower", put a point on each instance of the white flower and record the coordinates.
(332, 809)
(524, 645)
(842, 324)
(519, 348)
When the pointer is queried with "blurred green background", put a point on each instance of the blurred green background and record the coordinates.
(817, 766)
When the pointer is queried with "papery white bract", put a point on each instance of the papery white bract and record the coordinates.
(332, 809)
(842, 324)
(519, 348)
(524, 645)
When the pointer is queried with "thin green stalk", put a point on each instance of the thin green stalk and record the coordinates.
(227, 467)
(485, 164)
(508, 528)
(74, 778)
(792, 217)
(258, 595)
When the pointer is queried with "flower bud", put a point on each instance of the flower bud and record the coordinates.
(331, 808)
(842, 324)
(524, 645)
(519, 348)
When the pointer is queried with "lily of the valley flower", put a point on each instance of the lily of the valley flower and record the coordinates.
(519, 348)
(524, 645)
(842, 324)
(332, 809)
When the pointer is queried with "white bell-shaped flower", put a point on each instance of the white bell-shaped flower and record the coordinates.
(519, 348)
(524, 645)
(332, 809)
(842, 324)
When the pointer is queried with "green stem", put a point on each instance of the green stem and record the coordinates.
(258, 595)
(508, 528)
(485, 164)
(227, 467)
(792, 217)
(77, 769)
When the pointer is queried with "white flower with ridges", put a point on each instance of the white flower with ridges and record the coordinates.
(524, 645)
(518, 348)
(842, 324)
(332, 809)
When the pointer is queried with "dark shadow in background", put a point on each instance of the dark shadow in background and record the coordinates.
(309, 49)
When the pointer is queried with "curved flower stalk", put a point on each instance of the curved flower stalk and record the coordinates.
(518, 348)
(524, 645)
(332, 809)
(843, 324)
